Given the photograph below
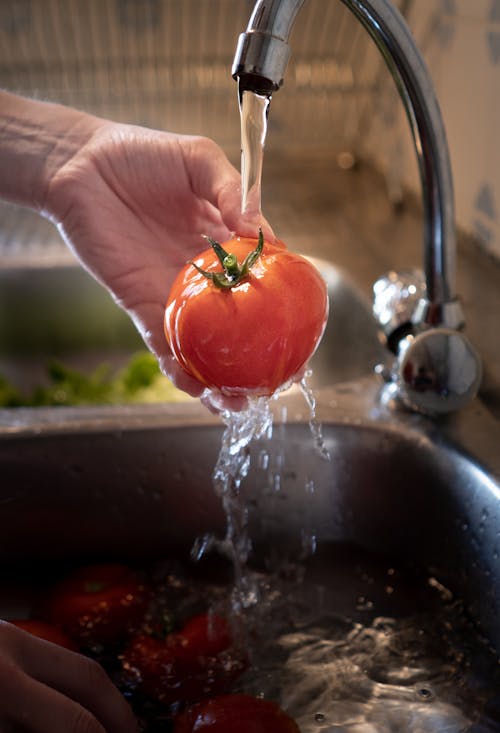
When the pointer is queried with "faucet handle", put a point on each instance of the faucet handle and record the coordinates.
(396, 296)
(438, 371)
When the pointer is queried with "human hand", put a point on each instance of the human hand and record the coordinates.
(49, 689)
(133, 205)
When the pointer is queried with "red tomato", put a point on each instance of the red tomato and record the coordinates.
(46, 631)
(98, 604)
(235, 714)
(255, 333)
(187, 665)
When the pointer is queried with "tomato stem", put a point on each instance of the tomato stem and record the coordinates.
(232, 273)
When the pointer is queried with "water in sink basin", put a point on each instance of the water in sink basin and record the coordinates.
(348, 644)
(419, 671)
(344, 642)
(399, 656)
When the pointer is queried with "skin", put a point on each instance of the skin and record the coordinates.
(132, 204)
(48, 688)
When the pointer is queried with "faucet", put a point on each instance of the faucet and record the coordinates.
(437, 370)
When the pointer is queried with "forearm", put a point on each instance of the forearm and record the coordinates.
(36, 140)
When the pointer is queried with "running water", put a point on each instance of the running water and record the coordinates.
(253, 114)
(231, 468)
(316, 428)
(233, 464)
(255, 422)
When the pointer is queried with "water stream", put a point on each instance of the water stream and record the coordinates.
(253, 115)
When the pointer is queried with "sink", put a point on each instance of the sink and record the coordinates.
(400, 493)
(397, 484)
(402, 501)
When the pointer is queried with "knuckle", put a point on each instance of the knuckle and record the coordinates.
(84, 722)
(10, 638)
(206, 146)
(6, 630)
(96, 676)
(11, 676)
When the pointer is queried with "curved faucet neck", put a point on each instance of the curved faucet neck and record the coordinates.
(259, 65)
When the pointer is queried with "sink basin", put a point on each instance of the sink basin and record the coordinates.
(137, 483)
(402, 502)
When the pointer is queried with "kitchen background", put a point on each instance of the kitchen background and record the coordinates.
(166, 64)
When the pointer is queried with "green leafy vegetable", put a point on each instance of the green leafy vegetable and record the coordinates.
(140, 381)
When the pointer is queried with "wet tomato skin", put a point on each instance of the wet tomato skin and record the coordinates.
(236, 713)
(98, 604)
(46, 631)
(252, 338)
(186, 665)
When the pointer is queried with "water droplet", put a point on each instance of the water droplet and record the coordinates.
(310, 487)
(264, 460)
(315, 426)
(425, 694)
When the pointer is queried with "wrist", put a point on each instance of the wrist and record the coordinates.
(36, 140)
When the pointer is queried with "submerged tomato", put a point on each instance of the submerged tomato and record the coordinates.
(186, 665)
(250, 332)
(235, 714)
(46, 631)
(98, 604)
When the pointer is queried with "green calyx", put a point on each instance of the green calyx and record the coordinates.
(233, 273)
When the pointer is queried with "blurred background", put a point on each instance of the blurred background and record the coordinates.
(166, 64)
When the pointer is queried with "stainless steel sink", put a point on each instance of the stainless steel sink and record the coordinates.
(136, 483)
(400, 490)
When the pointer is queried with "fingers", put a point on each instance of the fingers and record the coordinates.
(215, 179)
(217, 403)
(83, 681)
(46, 687)
(149, 323)
(182, 380)
(36, 708)
(245, 224)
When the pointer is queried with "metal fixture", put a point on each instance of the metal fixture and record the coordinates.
(259, 66)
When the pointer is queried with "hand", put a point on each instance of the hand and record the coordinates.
(133, 204)
(49, 689)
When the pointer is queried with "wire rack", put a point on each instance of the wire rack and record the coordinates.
(166, 64)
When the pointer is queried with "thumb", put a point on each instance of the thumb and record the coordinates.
(247, 223)
(215, 179)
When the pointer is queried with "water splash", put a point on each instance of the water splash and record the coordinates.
(232, 466)
(314, 424)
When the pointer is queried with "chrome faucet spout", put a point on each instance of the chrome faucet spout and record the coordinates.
(262, 53)
(259, 65)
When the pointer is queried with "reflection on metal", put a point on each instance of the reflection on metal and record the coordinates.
(259, 66)
(438, 372)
